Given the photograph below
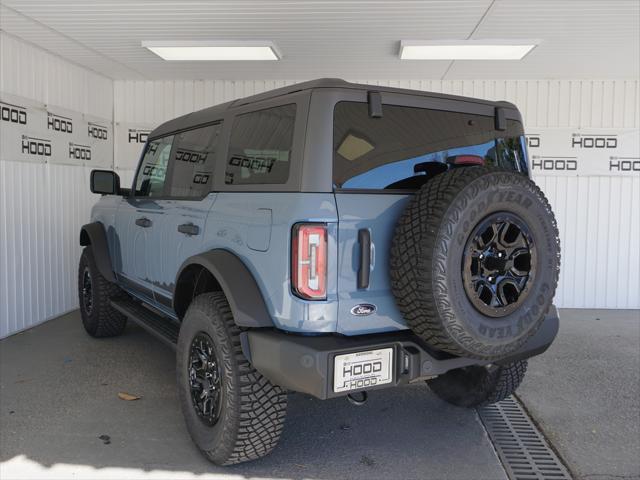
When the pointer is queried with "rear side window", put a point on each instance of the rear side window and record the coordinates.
(260, 147)
(152, 173)
(192, 161)
(408, 145)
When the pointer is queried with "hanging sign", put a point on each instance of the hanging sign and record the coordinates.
(130, 139)
(588, 152)
(34, 132)
(22, 136)
(99, 138)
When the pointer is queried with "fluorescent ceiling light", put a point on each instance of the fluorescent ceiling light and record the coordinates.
(209, 51)
(466, 50)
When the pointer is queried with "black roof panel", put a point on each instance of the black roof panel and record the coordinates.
(211, 114)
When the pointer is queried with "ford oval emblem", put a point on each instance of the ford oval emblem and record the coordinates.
(363, 309)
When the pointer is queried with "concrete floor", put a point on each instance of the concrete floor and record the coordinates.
(584, 393)
(58, 395)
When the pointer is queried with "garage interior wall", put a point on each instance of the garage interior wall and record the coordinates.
(43, 205)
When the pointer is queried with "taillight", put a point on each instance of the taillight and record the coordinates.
(309, 261)
(468, 160)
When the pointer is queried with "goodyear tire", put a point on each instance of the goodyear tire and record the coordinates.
(477, 386)
(232, 412)
(475, 260)
(99, 318)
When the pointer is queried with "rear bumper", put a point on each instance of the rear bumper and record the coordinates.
(305, 364)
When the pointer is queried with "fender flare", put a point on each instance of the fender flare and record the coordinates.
(236, 282)
(94, 234)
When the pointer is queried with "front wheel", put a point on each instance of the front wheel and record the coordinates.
(99, 318)
(233, 413)
(476, 386)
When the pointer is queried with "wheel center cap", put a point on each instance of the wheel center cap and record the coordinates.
(495, 263)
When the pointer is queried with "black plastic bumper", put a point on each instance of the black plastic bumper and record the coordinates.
(305, 364)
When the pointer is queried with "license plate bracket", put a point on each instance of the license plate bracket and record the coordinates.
(362, 370)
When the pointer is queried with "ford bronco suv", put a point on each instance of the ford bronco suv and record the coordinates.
(327, 238)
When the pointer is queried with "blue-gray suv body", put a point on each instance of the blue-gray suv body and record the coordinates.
(328, 238)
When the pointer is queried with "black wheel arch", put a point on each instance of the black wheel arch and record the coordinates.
(94, 234)
(221, 270)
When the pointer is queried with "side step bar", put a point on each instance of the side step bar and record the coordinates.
(158, 325)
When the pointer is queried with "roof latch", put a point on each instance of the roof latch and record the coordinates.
(375, 104)
(500, 119)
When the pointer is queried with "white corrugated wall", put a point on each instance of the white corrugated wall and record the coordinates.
(42, 206)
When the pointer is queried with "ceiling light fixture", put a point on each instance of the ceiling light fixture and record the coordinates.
(466, 50)
(214, 51)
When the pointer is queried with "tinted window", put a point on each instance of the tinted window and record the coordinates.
(407, 145)
(260, 147)
(153, 170)
(192, 161)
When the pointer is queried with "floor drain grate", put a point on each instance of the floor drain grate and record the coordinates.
(524, 452)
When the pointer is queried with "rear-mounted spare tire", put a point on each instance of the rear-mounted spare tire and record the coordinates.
(475, 260)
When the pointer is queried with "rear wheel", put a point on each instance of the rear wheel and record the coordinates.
(233, 413)
(476, 386)
(99, 318)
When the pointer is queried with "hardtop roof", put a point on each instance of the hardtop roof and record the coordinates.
(214, 113)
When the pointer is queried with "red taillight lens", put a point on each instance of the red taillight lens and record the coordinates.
(468, 160)
(309, 261)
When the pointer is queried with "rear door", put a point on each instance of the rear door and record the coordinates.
(378, 163)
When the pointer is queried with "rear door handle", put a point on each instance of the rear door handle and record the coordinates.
(143, 222)
(189, 229)
(364, 239)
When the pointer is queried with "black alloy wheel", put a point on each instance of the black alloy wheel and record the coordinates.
(499, 264)
(205, 379)
(87, 291)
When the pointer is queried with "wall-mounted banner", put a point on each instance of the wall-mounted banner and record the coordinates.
(33, 131)
(129, 141)
(22, 136)
(99, 138)
(588, 152)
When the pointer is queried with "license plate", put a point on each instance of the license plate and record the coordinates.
(368, 369)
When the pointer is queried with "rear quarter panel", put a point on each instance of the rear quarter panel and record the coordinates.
(257, 228)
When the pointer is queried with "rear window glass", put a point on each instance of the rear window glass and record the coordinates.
(260, 147)
(407, 145)
(192, 161)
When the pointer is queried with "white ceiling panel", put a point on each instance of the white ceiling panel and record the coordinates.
(579, 39)
(320, 38)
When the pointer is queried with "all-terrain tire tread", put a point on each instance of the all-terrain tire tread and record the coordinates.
(505, 382)
(478, 386)
(259, 414)
(412, 256)
(106, 321)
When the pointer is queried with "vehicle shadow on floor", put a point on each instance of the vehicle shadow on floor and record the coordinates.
(59, 395)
